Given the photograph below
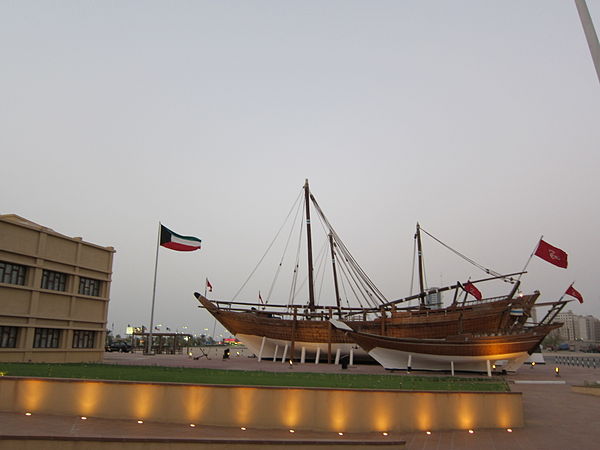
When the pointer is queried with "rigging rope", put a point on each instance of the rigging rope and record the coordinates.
(297, 263)
(466, 258)
(412, 275)
(268, 248)
(343, 271)
(298, 211)
(372, 289)
(319, 265)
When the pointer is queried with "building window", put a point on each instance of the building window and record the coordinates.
(46, 338)
(8, 337)
(84, 339)
(89, 286)
(55, 281)
(12, 273)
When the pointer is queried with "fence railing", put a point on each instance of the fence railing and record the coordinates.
(578, 361)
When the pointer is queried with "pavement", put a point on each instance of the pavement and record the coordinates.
(556, 417)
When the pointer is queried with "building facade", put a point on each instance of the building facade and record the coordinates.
(54, 294)
(576, 329)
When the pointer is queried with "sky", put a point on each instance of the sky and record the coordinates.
(479, 120)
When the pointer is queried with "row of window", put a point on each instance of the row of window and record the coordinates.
(11, 273)
(47, 338)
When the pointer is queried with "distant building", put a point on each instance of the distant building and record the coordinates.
(54, 294)
(433, 298)
(577, 328)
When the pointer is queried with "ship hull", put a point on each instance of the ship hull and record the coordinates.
(468, 353)
(268, 335)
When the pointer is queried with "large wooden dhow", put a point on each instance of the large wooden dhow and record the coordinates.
(292, 332)
(502, 351)
(304, 331)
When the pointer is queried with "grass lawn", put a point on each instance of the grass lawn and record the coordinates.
(251, 378)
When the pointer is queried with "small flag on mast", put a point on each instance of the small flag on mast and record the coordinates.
(574, 293)
(208, 285)
(471, 289)
(174, 241)
(552, 254)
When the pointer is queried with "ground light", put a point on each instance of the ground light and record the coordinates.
(557, 371)
(243, 428)
(27, 413)
(509, 430)
(428, 433)
(385, 433)
(471, 432)
(292, 431)
(140, 421)
(193, 425)
(83, 418)
(340, 433)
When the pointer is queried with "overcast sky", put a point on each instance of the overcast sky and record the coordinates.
(477, 119)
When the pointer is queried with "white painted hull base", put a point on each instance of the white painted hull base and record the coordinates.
(399, 360)
(274, 348)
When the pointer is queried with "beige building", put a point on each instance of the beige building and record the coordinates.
(578, 330)
(54, 294)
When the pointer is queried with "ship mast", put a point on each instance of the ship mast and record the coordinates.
(311, 291)
(335, 280)
(420, 253)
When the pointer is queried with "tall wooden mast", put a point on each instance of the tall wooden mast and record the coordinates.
(311, 290)
(335, 281)
(420, 253)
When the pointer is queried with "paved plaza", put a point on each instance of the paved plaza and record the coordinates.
(556, 417)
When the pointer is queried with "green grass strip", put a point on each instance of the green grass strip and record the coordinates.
(252, 378)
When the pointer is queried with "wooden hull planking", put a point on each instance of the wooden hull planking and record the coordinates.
(252, 326)
(461, 353)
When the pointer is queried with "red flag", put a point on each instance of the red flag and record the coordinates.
(552, 254)
(574, 293)
(208, 285)
(471, 289)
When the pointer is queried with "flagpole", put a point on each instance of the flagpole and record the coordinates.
(565, 293)
(530, 256)
(149, 344)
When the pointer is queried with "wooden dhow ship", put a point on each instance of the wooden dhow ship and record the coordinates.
(304, 331)
(504, 351)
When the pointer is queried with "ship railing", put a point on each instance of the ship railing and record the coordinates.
(301, 312)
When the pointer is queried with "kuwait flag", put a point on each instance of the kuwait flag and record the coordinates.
(178, 242)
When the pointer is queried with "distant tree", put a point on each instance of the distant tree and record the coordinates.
(553, 340)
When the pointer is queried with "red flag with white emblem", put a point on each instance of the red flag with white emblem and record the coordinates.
(574, 293)
(552, 254)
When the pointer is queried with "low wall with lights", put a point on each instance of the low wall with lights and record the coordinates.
(316, 409)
